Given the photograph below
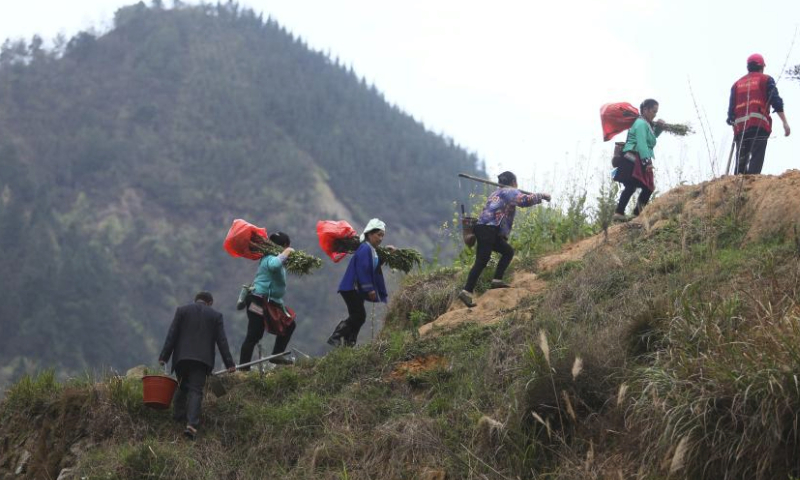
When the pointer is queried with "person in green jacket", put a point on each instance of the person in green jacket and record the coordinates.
(636, 170)
(265, 307)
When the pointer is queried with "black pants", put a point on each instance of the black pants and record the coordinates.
(752, 147)
(255, 332)
(627, 193)
(356, 316)
(489, 240)
(189, 395)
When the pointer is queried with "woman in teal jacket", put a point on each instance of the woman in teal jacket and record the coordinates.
(636, 170)
(269, 287)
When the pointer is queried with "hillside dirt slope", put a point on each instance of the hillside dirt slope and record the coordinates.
(774, 212)
(382, 411)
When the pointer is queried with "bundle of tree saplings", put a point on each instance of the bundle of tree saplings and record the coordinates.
(298, 263)
(679, 129)
(403, 259)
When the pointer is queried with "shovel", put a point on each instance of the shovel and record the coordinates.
(216, 384)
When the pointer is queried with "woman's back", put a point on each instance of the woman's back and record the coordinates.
(270, 279)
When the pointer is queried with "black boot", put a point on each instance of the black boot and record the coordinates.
(335, 339)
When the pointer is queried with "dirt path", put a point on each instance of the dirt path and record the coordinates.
(493, 305)
(766, 206)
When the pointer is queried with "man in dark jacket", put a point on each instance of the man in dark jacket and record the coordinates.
(190, 341)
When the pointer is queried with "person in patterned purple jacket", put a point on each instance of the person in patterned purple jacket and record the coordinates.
(493, 229)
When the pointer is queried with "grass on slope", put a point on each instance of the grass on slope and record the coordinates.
(672, 353)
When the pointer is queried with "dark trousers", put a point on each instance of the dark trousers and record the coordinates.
(752, 146)
(189, 394)
(627, 193)
(255, 332)
(356, 316)
(489, 240)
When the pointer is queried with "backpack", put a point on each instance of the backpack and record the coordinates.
(616, 160)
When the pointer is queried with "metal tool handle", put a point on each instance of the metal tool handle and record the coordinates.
(730, 157)
(488, 182)
(255, 362)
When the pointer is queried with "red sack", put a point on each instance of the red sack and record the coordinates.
(237, 242)
(328, 232)
(616, 118)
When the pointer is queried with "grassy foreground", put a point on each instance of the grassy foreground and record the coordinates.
(671, 351)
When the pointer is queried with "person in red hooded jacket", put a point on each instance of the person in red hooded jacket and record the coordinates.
(748, 113)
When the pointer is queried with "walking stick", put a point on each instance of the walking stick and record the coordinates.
(372, 333)
(730, 156)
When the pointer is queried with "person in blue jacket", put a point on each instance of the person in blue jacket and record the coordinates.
(362, 281)
(269, 286)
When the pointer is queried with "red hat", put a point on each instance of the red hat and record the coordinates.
(757, 59)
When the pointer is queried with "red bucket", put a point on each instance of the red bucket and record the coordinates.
(158, 391)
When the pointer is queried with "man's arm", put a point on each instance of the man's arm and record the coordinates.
(732, 106)
(172, 337)
(786, 129)
(222, 344)
(775, 100)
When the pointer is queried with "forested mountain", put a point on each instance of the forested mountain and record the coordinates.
(125, 156)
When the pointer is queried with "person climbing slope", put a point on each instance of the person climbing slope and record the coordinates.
(362, 281)
(636, 170)
(265, 307)
(194, 331)
(492, 231)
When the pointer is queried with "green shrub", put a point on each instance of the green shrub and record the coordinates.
(428, 293)
(126, 394)
(31, 393)
(152, 459)
(727, 387)
(344, 365)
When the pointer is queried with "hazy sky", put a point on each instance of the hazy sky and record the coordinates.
(521, 83)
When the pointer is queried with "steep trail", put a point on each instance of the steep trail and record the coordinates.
(494, 305)
(374, 409)
(766, 206)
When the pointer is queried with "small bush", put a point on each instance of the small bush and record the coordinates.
(645, 333)
(126, 394)
(151, 459)
(727, 389)
(279, 384)
(344, 365)
(31, 393)
(427, 295)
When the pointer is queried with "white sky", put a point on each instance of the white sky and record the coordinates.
(521, 83)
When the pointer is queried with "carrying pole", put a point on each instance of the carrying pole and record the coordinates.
(488, 182)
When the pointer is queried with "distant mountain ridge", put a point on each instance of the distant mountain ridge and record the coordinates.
(124, 157)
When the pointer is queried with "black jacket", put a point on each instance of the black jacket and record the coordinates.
(192, 335)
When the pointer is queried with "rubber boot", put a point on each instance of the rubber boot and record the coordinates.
(335, 340)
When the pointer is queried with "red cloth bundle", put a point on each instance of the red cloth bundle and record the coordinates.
(328, 232)
(237, 242)
(616, 118)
